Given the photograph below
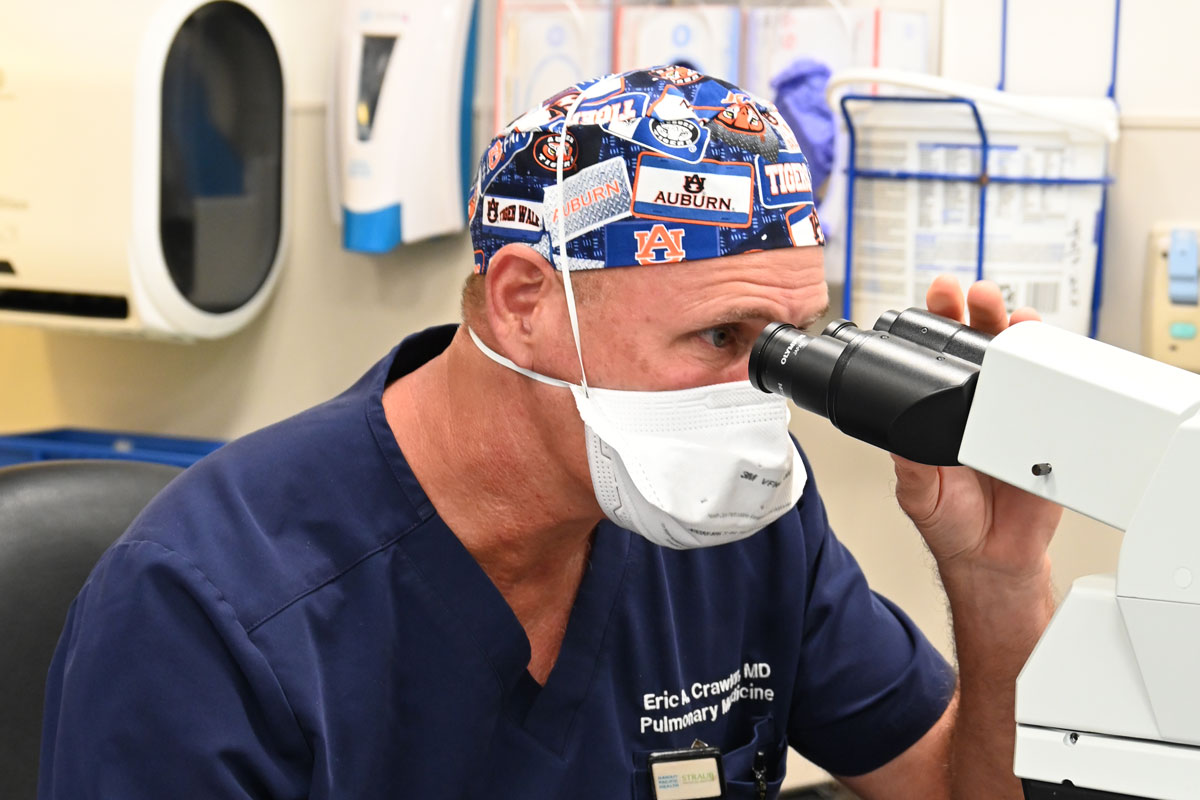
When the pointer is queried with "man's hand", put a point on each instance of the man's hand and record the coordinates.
(990, 541)
(971, 521)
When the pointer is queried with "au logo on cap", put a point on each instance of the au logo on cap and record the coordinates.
(636, 242)
(660, 245)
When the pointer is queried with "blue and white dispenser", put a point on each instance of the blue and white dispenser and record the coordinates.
(400, 120)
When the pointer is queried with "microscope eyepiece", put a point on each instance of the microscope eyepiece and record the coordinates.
(905, 386)
(785, 360)
(766, 347)
(936, 333)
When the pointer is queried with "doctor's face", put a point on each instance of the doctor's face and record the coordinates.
(658, 328)
(690, 324)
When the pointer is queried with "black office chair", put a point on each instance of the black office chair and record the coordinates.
(56, 519)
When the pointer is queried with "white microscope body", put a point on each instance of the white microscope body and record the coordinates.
(1108, 705)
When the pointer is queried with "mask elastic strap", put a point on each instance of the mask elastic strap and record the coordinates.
(508, 362)
(562, 235)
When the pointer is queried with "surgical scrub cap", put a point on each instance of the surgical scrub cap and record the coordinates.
(660, 165)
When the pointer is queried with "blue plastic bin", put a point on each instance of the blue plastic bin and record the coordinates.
(77, 443)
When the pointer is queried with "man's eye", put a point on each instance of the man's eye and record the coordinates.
(719, 338)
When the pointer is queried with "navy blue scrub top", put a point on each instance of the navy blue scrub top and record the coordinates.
(292, 619)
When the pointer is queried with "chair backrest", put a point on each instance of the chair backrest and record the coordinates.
(56, 519)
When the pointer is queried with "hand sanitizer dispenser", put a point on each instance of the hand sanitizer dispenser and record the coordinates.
(400, 120)
(142, 152)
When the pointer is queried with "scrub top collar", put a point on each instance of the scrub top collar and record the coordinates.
(546, 713)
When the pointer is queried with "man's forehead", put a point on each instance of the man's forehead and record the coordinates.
(731, 289)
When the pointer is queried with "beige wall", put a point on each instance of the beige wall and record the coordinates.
(334, 314)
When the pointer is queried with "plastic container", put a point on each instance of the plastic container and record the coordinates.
(72, 443)
(974, 183)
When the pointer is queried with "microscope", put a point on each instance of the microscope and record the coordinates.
(1108, 704)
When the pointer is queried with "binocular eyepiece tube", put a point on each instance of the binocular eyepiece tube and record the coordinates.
(905, 386)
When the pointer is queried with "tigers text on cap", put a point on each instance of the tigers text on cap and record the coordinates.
(660, 165)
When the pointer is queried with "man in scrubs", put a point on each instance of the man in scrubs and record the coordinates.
(562, 550)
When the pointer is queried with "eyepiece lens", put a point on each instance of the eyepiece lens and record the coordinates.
(758, 354)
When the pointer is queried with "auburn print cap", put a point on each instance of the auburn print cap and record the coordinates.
(659, 166)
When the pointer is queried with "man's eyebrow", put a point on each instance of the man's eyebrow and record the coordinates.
(756, 313)
(812, 320)
(742, 315)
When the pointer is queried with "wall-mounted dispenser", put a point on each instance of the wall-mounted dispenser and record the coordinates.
(400, 117)
(142, 156)
(1171, 316)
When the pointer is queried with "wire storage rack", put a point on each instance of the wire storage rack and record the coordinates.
(937, 92)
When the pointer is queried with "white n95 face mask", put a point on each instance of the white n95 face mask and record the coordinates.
(690, 467)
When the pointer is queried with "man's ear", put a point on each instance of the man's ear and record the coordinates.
(517, 285)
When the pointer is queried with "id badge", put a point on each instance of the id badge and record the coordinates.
(690, 774)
